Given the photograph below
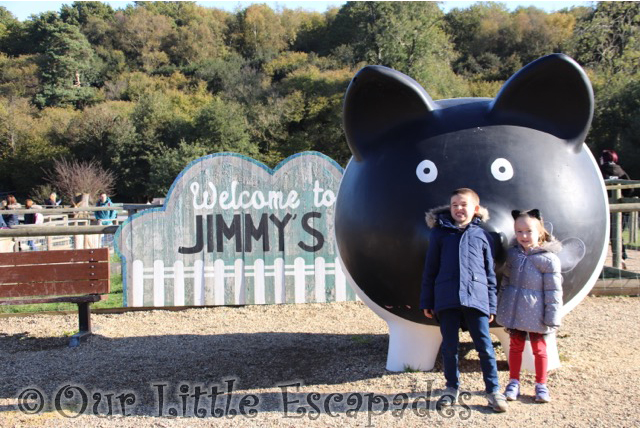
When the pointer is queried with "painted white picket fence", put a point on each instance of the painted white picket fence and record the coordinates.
(181, 276)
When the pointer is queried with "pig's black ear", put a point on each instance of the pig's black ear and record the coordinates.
(552, 94)
(378, 100)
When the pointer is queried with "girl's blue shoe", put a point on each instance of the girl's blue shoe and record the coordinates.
(512, 390)
(542, 393)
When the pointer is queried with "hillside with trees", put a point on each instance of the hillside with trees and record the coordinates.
(144, 90)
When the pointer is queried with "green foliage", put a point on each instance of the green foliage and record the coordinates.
(66, 69)
(18, 76)
(259, 33)
(26, 146)
(221, 126)
(495, 43)
(166, 166)
(81, 13)
(145, 89)
(608, 39)
(141, 34)
(616, 123)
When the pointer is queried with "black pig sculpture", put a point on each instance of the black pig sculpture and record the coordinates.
(524, 149)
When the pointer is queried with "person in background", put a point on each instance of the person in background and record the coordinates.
(35, 218)
(29, 218)
(52, 201)
(609, 166)
(610, 170)
(12, 204)
(105, 218)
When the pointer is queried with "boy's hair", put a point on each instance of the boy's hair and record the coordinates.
(545, 236)
(468, 192)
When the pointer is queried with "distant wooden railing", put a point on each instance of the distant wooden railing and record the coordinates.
(33, 230)
(617, 206)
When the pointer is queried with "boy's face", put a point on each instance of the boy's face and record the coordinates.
(463, 208)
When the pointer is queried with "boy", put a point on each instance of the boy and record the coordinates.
(459, 285)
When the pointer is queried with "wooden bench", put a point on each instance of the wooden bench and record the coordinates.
(76, 276)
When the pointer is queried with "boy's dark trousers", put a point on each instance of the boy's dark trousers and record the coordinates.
(478, 325)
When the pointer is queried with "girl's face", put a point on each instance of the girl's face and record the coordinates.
(527, 232)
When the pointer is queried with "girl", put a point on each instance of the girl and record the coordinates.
(530, 298)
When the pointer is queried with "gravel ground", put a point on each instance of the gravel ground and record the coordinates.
(336, 352)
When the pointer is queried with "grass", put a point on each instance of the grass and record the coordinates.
(409, 369)
(625, 238)
(361, 340)
(114, 299)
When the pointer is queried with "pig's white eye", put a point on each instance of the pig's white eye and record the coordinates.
(502, 169)
(427, 171)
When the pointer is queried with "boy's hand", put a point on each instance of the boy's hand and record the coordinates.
(428, 313)
(491, 317)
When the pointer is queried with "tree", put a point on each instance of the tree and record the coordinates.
(66, 69)
(141, 35)
(26, 144)
(18, 76)
(609, 38)
(311, 113)
(221, 126)
(198, 40)
(10, 27)
(313, 34)
(495, 43)
(73, 178)
(406, 36)
(100, 132)
(166, 166)
(81, 13)
(258, 33)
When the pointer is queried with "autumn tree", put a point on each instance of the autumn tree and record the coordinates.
(258, 32)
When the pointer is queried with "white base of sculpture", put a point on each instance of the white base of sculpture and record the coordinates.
(412, 346)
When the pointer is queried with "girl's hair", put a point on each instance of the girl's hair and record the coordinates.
(11, 200)
(545, 236)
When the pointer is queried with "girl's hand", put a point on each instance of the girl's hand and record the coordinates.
(491, 317)
(428, 313)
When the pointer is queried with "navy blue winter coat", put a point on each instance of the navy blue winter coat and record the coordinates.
(458, 269)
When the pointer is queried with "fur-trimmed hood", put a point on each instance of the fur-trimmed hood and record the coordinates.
(432, 215)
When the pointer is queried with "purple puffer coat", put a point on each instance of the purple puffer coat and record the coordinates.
(530, 296)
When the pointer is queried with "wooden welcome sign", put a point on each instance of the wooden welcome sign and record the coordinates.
(233, 231)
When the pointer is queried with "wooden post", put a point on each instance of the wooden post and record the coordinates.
(616, 233)
(633, 227)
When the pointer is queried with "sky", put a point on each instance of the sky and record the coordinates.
(23, 9)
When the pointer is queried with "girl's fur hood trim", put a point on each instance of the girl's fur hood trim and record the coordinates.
(431, 216)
